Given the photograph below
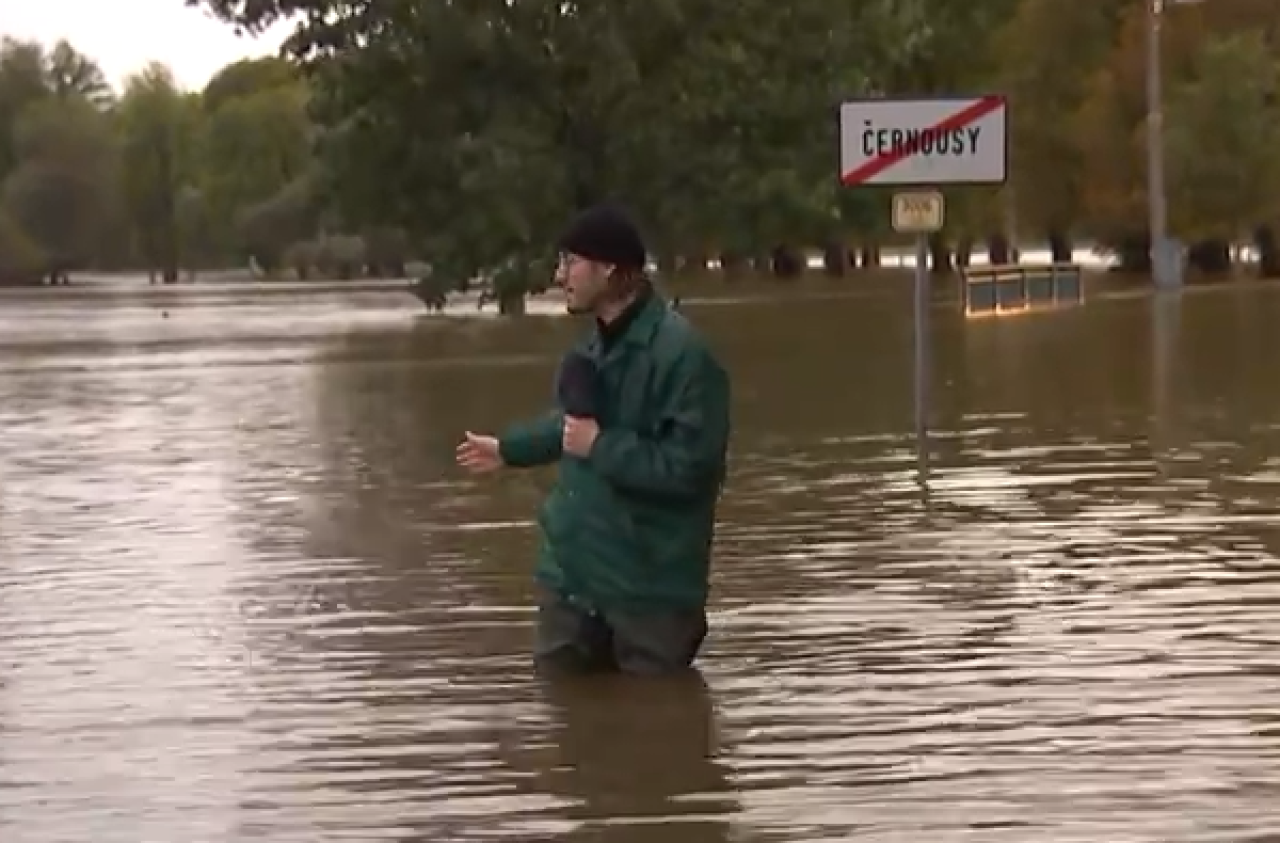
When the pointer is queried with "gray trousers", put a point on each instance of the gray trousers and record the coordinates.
(571, 639)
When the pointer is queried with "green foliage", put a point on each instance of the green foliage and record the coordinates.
(158, 178)
(1047, 88)
(21, 261)
(464, 134)
(242, 79)
(1224, 131)
(158, 126)
(61, 189)
(480, 127)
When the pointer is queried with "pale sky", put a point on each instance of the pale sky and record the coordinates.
(123, 35)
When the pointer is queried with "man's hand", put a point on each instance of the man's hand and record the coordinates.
(579, 435)
(479, 454)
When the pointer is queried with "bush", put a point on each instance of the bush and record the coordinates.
(341, 257)
(21, 261)
(303, 258)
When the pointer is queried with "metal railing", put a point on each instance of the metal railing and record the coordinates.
(1015, 288)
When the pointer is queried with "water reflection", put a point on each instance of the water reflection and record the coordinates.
(634, 758)
(244, 594)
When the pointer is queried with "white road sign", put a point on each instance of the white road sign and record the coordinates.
(938, 141)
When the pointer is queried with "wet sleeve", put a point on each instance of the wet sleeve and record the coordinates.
(533, 443)
(684, 457)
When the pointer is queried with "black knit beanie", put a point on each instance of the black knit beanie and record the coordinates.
(605, 233)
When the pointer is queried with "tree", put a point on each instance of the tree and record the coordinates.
(22, 83)
(55, 159)
(479, 127)
(254, 146)
(60, 194)
(1223, 133)
(21, 261)
(246, 78)
(269, 227)
(72, 74)
(158, 132)
(1111, 128)
(1048, 53)
(465, 134)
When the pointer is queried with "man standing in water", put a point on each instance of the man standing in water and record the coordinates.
(641, 433)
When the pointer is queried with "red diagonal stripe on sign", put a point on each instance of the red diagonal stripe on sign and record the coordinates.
(874, 166)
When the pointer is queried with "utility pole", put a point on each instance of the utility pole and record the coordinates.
(1157, 201)
(1166, 258)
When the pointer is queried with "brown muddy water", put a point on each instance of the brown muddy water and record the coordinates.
(245, 595)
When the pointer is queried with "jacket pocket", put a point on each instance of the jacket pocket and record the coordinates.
(596, 542)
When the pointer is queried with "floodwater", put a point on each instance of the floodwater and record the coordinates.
(245, 595)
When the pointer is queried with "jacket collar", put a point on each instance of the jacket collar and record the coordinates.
(640, 331)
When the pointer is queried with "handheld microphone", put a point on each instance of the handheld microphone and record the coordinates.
(578, 387)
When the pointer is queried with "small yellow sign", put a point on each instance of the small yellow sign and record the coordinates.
(918, 212)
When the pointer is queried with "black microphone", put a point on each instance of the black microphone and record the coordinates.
(578, 387)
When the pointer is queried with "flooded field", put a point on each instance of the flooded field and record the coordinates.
(245, 595)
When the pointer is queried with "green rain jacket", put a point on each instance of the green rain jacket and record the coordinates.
(630, 527)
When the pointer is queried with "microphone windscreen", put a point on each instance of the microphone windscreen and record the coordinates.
(578, 386)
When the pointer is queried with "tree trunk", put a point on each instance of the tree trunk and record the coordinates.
(940, 255)
(511, 304)
(1061, 249)
(732, 265)
(1268, 253)
(786, 262)
(999, 251)
(1133, 254)
(835, 260)
(869, 255)
(1211, 257)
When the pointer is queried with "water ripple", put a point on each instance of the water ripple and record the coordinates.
(245, 597)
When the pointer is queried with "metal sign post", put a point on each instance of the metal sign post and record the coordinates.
(923, 142)
(920, 213)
